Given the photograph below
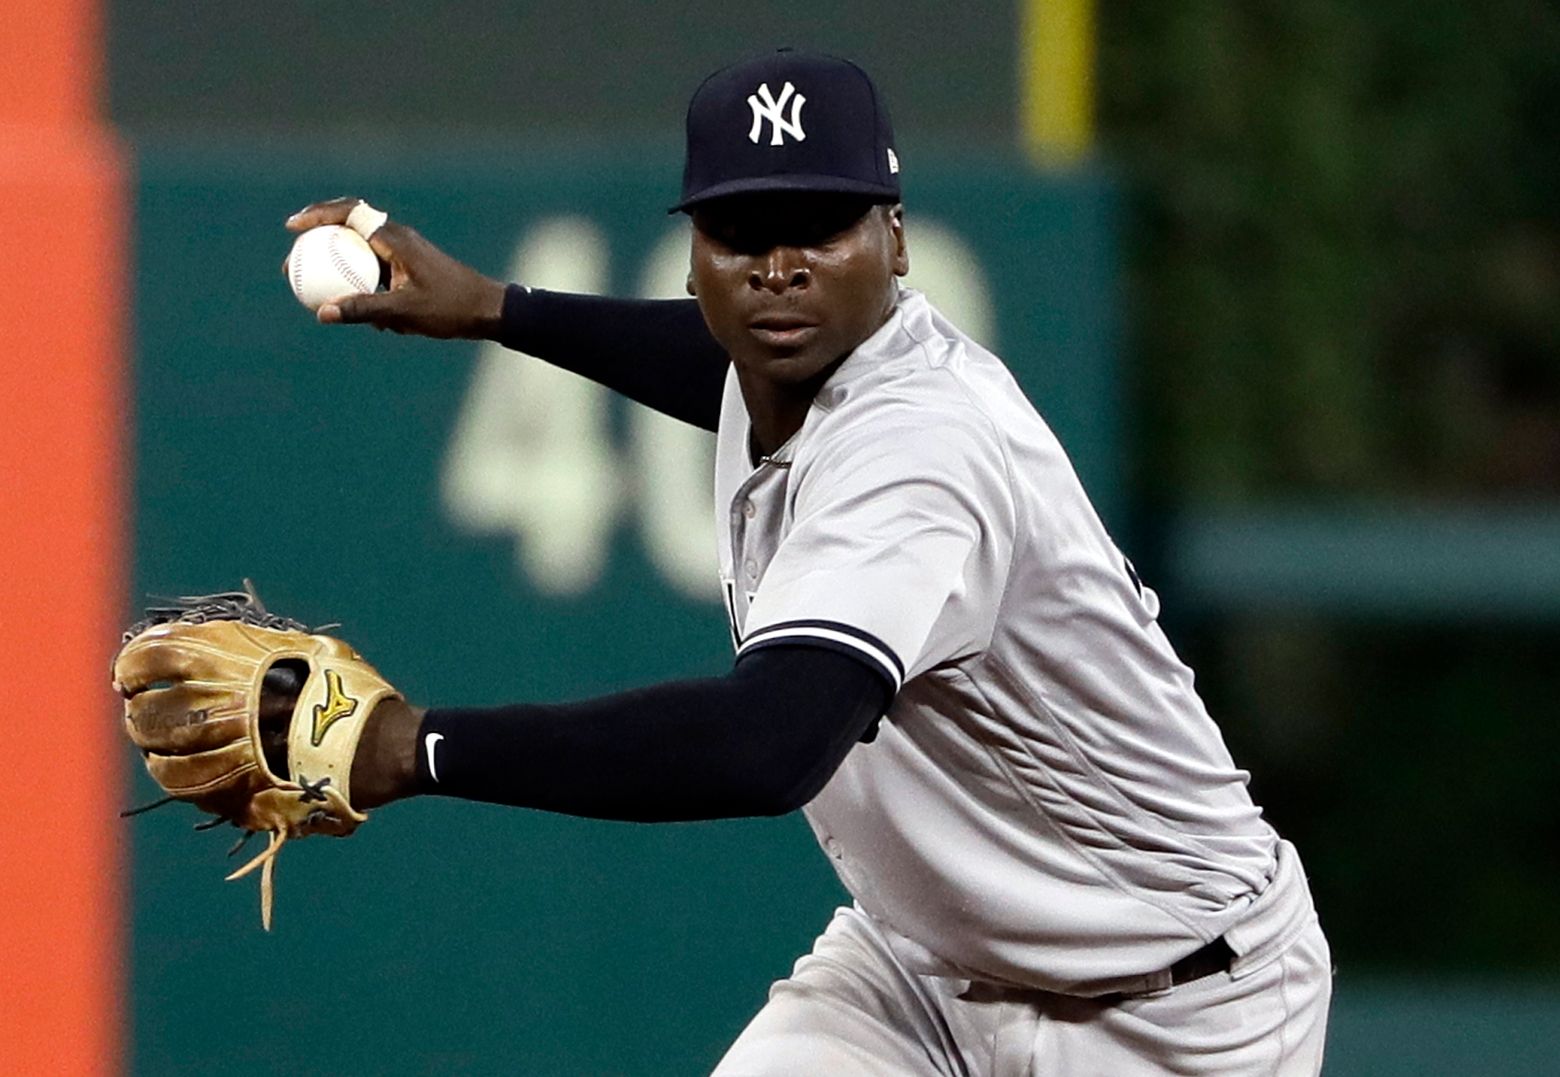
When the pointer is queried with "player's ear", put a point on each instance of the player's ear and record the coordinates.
(693, 252)
(895, 215)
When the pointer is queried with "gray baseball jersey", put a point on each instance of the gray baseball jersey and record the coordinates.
(1047, 803)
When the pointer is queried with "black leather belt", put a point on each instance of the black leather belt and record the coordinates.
(1215, 957)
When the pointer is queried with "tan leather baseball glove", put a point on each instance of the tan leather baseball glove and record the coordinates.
(249, 716)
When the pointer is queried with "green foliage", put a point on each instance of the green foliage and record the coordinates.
(1414, 770)
(1345, 259)
(1344, 276)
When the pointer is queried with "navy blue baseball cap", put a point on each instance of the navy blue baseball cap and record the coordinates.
(788, 121)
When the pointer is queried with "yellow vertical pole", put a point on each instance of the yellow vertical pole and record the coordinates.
(1056, 79)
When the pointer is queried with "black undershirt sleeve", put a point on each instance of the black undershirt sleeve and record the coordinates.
(655, 351)
(762, 740)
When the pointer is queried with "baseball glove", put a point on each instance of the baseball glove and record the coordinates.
(249, 716)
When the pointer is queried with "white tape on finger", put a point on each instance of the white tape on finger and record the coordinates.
(365, 220)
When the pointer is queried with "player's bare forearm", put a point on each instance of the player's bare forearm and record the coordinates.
(385, 767)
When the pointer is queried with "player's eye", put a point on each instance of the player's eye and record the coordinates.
(726, 232)
(757, 228)
(738, 237)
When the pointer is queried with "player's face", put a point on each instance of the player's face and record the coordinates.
(792, 283)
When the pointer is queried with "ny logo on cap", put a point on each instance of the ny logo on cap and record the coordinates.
(765, 107)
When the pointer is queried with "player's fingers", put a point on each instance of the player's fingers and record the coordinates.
(376, 308)
(394, 242)
(331, 211)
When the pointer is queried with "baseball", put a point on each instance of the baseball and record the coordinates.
(329, 262)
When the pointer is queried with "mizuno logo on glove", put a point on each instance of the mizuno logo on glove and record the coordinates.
(337, 705)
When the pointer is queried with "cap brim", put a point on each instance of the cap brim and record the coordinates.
(761, 184)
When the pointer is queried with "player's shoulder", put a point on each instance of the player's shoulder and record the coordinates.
(916, 383)
(911, 415)
(905, 426)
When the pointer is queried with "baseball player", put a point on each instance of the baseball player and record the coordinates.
(942, 658)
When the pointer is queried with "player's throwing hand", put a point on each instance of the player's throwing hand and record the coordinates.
(430, 293)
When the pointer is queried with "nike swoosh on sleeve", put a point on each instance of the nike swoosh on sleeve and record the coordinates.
(429, 743)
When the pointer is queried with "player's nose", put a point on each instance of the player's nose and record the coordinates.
(779, 270)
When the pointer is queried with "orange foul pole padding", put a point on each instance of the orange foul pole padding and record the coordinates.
(63, 199)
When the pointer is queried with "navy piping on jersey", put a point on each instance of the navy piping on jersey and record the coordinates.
(729, 593)
(835, 635)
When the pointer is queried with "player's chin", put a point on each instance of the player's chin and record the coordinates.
(790, 372)
(797, 365)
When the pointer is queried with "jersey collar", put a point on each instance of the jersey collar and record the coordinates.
(872, 356)
(879, 350)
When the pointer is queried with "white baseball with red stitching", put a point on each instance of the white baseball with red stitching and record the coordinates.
(329, 262)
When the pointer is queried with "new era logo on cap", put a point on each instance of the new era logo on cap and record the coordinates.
(789, 121)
